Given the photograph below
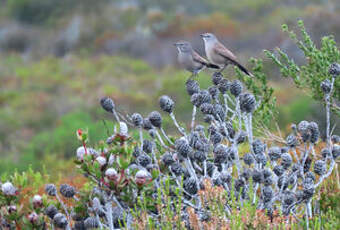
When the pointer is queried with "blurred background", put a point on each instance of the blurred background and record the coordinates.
(59, 57)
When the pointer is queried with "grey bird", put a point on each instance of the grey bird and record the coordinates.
(190, 60)
(219, 55)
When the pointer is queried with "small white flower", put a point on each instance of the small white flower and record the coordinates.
(141, 177)
(111, 174)
(8, 189)
(111, 159)
(80, 152)
(101, 160)
(123, 129)
(37, 199)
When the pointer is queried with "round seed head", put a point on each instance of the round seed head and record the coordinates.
(205, 96)
(91, 223)
(143, 160)
(303, 127)
(257, 176)
(326, 86)
(60, 220)
(335, 139)
(224, 85)
(219, 112)
(147, 146)
(274, 153)
(155, 119)
(213, 90)
(216, 138)
(147, 124)
(236, 88)
(50, 189)
(292, 141)
(166, 104)
(334, 69)
(314, 132)
(239, 183)
(137, 119)
(282, 182)
(192, 86)
(176, 168)
(208, 118)
(310, 175)
(278, 170)
(247, 103)
(288, 198)
(182, 147)
(167, 159)
(216, 78)
(196, 99)
(199, 156)
(248, 159)
(241, 137)
(67, 191)
(207, 108)
(8, 189)
(320, 167)
(286, 160)
(37, 201)
(50, 211)
(336, 151)
(246, 173)
(190, 185)
(258, 147)
(101, 160)
(111, 174)
(141, 177)
(261, 159)
(220, 154)
(267, 193)
(107, 104)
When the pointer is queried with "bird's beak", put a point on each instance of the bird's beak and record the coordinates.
(202, 35)
(176, 44)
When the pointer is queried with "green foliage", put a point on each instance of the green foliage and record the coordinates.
(317, 61)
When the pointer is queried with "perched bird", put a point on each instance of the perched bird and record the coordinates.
(190, 60)
(219, 55)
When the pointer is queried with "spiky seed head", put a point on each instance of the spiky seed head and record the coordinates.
(107, 104)
(155, 119)
(216, 78)
(137, 119)
(326, 86)
(67, 191)
(50, 189)
(192, 86)
(334, 69)
(50, 211)
(166, 103)
(236, 88)
(60, 220)
(247, 102)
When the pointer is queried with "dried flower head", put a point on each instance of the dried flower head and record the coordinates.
(143, 160)
(50, 189)
(192, 86)
(335, 151)
(182, 146)
(236, 88)
(147, 146)
(258, 147)
(111, 174)
(107, 104)
(216, 78)
(334, 69)
(137, 119)
(166, 103)
(37, 201)
(286, 160)
(60, 220)
(326, 86)
(248, 159)
(320, 167)
(274, 153)
(147, 124)
(224, 85)
(155, 119)
(247, 102)
(67, 191)
(314, 132)
(141, 177)
(190, 185)
(50, 211)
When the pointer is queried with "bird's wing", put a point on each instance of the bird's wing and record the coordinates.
(198, 58)
(223, 51)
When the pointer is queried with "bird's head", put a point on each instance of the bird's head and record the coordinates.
(183, 46)
(208, 37)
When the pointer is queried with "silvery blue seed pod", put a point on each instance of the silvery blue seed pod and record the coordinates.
(303, 127)
(292, 141)
(219, 112)
(284, 149)
(213, 90)
(226, 177)
(239, 183)
(208, 118)
(282, 182)
(207, 108)
(107, 104)
(195, 99)
(241, 137)
(286, 160)
(147, 124)
(267, 193)
(274, 153)
(278, 170)
(288, 198)
(50, 189)
(247, 103)
(334, 69)
(236, 88)
(326, 86)
(155, 119)
(216, 78)
(147, 146)
(307, 165)
(246, 173)
(91, 223)
(320, 167)
(210, 169)
(8, 189)
(67, 191)
(166, 104)
(230, 129)
(314, 132)
(248, 159)
(335, 139)
(167, 159)
(335, 151)
(192, 86)
(50, 211)
(310, 175)
(258, 147)
(261, 158)
(220, 153)
(199, 156)
(267, 172)
(143, 160)
(190, 185)
(60, 220)
(194, 137)
(268, 181)
(79, 225)
(205, 96)
(257, 176)
(306, 137)
(182, 146)
(176, 168)
(137, 119)
(224, 85)
(216, 138)
(308, 188)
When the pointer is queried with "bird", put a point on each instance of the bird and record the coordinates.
(219, 55)
(190, 60)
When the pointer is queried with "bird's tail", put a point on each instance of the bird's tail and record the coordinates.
(243, 69)
(212, 66)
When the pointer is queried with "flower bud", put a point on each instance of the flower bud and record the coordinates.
(335, 151)
(141, 177)
(50, 189)
(91, 223)
(183, 147)
(101, 160)
(220, 154)
(286, 160)
(274, 153)
(8, 189)
(67, 191)
(33, 217)
(166, 103)
(224, 85)
(37, 201)
(248, 159)
(190, 185)
(12, 208)
(143, 160)
(50, 211)
(111, 174)
(107, 104)
(216, 78)
(155, 119)
(192, 86)
(60, 220)
(137, 119)
(236, 88)
(326, 86)
(247, 103)
(334, 69)
(320, 167)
